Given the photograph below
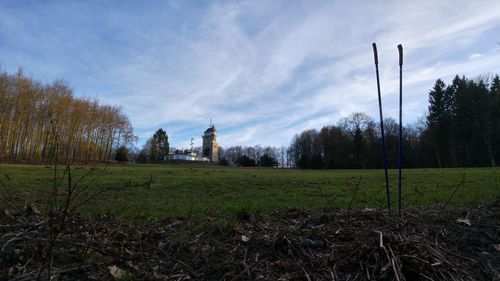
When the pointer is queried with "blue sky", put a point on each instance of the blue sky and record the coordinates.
(264, 70)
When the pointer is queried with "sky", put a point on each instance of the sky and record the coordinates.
(263, 70)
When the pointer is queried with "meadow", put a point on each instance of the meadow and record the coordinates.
(180, 190)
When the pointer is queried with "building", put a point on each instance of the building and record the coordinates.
(210, 149)
(181, 155)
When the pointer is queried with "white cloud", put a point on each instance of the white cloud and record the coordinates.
(475, 56)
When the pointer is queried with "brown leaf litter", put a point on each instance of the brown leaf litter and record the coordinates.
(297, 244)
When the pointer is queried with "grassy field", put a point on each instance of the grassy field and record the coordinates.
(182, 190)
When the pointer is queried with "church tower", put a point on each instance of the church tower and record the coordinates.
(210, 147)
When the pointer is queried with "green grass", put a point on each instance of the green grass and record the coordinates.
(181, 190)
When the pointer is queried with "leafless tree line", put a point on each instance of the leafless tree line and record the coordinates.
(46, 123)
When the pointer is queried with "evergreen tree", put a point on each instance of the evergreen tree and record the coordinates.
(161, 139)
(245, 161)
(121, 154)
(495, 86)
(495, 96)
(484, 121)
(142, 157)
(438, 119)
(223, 162)
(267, 161)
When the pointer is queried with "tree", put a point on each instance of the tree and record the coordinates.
(438, 118)
(306, 145)
(223, 162)
(245, 161)
(121, 154)
(46, 123)
(282, 157)
(495, 104)
(143, 157)
(484, 118)
(267, 161)
(161, 139)
(495, 86)
(153, 149)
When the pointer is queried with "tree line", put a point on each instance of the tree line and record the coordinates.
(255, 156)
(464, 122)
(46, 123)
(461, 128)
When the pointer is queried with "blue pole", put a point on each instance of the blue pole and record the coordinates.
(400, 146)
(384, 154)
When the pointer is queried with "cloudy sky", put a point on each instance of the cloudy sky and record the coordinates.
(264, 70)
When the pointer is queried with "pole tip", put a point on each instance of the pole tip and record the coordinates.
(375, 55)
(400, 49)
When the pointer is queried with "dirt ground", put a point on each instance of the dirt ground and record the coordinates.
(298, 244)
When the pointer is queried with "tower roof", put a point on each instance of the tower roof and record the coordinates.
(210, 130)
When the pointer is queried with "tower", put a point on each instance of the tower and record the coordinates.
(210, 148)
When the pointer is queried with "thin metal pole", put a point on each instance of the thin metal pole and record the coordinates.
(384, 154)
(400, 146)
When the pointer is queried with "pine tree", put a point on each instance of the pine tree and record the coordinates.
(161, 138)
(438, 118)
